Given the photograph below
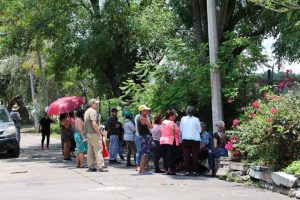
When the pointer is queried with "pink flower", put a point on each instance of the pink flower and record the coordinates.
(229, 146)
(243, 108)
(269, 120)
(230, 101)
(234, 140)
(274, 111)
(255, 105)
(290, 79)
(252, 115)
(254, 141)
(266, 95)
(280, 85)
(235, 122)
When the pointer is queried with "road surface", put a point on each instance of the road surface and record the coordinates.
(43, 175)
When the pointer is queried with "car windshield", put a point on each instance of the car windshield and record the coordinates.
(4, 116)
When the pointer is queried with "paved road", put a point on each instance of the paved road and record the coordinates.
(43, 175)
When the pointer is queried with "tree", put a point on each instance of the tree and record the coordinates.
(14, 85)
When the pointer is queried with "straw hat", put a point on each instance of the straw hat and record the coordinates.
(15, 107)
(144, 107)
(92, 101)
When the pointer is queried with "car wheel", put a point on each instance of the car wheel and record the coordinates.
(15, 153)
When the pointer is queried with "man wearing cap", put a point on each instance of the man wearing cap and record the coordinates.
(144, 127)
(15, 115)
(94, 137)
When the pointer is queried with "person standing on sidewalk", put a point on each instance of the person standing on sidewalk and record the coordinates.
(15, 115)
(45, 123)
(144, 127)
(138, 144)
(121, 140)
(66, 132)
(170, 141)
(190, 129)
(94, 137)
(80, 139)
(113, 132)
(156, 147)
(129, 137)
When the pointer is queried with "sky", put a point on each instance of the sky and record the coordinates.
(267, 44)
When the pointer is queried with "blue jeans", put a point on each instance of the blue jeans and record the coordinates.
(18, 133)
(138, 144)
(121, 154)
(215, 153)
(113, 147)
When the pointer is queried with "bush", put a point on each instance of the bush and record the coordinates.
(269, 130)
(293, 168)
(55, 129)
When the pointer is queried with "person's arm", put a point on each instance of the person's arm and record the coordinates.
(199, 126)
(93, 118)
(40, 125)
(144, 121)
(80, 128)
(215, 142)
(95, 126)
(204, 143)
(131, 127)
(19, 116)
(180, 125)
(173, 130)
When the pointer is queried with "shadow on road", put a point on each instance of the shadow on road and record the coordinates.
(36, 155)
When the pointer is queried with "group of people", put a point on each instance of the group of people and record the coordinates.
(179, 144)
(82, 135)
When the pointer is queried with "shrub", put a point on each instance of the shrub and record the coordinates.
(55, 129)
(293, 168)
(269, 130)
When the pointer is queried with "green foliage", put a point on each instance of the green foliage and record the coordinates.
(13, 80)
(293, 168)
(184, 81)
(270, 133)
(279, 5)
(285, 48)
(55, 128)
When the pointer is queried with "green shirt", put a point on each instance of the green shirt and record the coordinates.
(89, 116)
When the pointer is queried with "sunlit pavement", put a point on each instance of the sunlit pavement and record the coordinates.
(41, 174)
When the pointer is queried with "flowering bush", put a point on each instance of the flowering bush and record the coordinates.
(229, 146)
(269, 130)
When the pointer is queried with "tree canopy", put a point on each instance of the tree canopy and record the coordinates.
(147, 51)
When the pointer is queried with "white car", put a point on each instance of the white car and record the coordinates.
(8, 140)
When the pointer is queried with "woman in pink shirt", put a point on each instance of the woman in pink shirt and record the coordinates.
(169, 141)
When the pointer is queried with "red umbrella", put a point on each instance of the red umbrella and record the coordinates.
(65, 105)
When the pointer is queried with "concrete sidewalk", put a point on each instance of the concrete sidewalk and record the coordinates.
(41, 174)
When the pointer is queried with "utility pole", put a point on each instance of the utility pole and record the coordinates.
(215, 76)
(34, 110)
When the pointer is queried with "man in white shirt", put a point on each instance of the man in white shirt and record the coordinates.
(190, 129)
